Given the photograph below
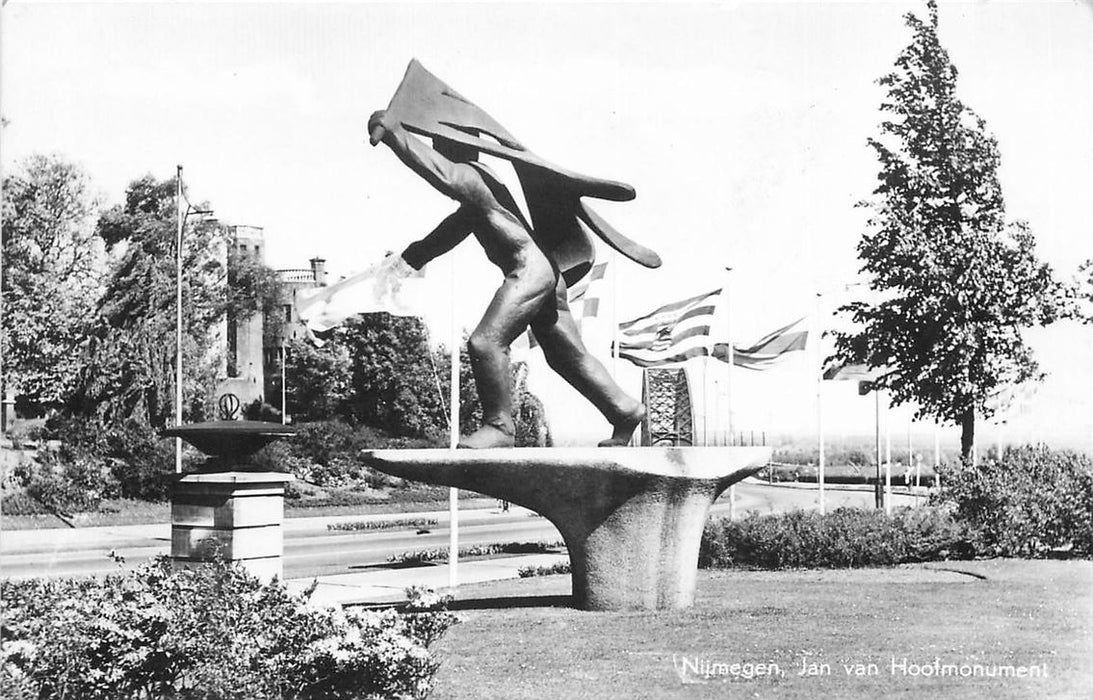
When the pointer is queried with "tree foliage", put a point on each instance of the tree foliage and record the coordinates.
(53, 270)
(379, 370)
(128, 369)
(317, 380)
(394, 377)
(957, 283)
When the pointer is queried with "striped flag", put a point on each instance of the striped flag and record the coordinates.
(863, 374)
(841, 372)
(673, 333)
(769, 350)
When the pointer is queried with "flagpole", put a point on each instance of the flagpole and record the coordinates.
(888, 458)
(878, 497)
(728, 379)
(937, 454)
(910, 453)
(614, 315)
(453, 439)
(731, 351)
(178, 316)
(284, 387)
(819, 402)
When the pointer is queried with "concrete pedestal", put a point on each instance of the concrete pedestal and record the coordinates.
(234, 514)
(631, 518)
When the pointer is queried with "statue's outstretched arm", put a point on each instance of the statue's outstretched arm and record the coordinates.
(447, 235)
(459, 181)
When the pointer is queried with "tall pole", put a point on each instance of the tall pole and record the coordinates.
(614, 315)
(453, 439)
(910, 453)
(819, 369)
(284, 386)
(878, 494)
(728, 379)
(178, 317)
(888, 459)
(937, 454)
(731, 351)
(3, 384)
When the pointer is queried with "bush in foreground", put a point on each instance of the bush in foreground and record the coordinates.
(846, 537)
(1032, 501)
(209, 632)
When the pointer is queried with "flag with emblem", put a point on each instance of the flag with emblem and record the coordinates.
(673, 333)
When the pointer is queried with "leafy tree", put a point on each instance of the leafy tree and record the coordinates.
(958, 284)
(529, 414)
(317, 380)
(1084, 292)
(54, 265)
(379, 370)
(394, 375)
(128, 371)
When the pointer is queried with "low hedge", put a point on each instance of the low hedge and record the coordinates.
(209, 632)
(1032, 502)
(846, 537)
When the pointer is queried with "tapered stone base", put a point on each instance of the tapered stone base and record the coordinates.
(234, 515)
(631, 518)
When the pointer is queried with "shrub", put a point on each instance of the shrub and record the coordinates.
(561, 567)
(71, 486)
(261, 411)
(140, 464)
(327, 453)
(420, 557)
(846, 537)
(398, 523)
(212, 631)
(1030, 502)
(20, 503)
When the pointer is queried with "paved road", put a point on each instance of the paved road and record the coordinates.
(311, 549)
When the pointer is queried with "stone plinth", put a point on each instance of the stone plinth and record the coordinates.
(631, 518)
(233, 514)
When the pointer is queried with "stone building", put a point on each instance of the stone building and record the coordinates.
(252, 358)
(242, 370)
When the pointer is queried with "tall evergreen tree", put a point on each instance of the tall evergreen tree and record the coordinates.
(957, 283)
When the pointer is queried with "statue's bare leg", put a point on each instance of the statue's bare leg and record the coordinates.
(523, 293)
(566, 354)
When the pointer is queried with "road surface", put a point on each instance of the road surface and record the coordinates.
(311, 549)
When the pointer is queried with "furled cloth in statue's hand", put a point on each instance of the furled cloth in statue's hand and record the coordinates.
(390, 286)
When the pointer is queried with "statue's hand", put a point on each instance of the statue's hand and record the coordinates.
(395, 266)
(388, 278)
(377, 126)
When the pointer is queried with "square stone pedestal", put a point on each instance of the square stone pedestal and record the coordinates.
(236, 515)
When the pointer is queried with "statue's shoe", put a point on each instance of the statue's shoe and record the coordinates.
(486, 437)
(624, 429)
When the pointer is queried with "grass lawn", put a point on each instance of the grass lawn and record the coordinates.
(518, 639)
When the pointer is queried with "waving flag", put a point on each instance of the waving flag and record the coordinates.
(389, 286)
(769, 350)
(673, 333)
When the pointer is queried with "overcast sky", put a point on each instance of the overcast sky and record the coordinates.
(742, 126)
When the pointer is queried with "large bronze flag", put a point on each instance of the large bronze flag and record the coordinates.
(424, 105)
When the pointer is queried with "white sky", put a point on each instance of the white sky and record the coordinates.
(743, 127)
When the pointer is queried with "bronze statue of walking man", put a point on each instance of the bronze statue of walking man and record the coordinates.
(532, 294)
(538, 258)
